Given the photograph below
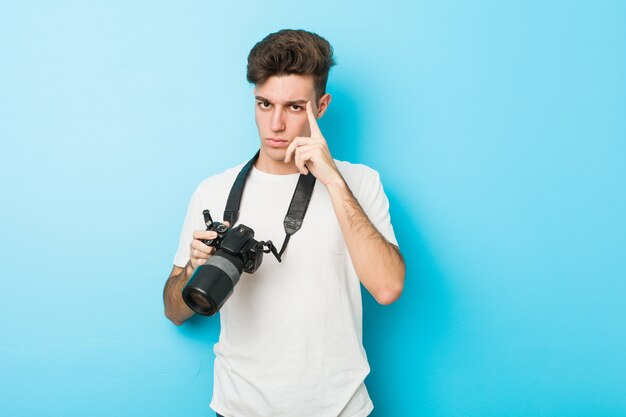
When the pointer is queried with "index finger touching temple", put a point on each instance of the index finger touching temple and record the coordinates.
(315, 129)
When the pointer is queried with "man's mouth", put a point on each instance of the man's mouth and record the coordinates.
(277, 142)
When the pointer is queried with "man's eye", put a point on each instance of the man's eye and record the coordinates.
(295, 107)
(264, 104)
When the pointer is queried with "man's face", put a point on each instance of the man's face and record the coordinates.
(280, 112)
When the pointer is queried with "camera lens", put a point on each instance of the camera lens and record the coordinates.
(212, 283)
(200, 300)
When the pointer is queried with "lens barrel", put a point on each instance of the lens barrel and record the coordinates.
(212, 283)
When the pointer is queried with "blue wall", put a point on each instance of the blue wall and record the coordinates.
(497, 127)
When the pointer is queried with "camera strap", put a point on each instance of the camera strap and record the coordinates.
(297, 207)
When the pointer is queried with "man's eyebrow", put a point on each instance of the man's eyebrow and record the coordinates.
(300, 102)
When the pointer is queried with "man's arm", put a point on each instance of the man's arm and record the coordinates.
(378, 264)
(175, 308)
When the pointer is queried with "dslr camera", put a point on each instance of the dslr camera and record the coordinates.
(236, 252)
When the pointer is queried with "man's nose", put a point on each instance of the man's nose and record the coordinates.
(278, 121)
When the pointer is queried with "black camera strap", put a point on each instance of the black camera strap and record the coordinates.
(297, 207)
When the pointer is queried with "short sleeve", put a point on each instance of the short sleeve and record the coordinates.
(193, 221)
(375, 204)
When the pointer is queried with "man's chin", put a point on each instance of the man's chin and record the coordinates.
(276, 154)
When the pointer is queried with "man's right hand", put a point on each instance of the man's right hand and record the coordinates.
(175, 308)
(199, 253)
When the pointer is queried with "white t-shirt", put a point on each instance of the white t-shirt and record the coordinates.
(291, 333)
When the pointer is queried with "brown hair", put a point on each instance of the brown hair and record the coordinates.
(291, 52)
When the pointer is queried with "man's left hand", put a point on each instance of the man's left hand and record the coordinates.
(312, 153)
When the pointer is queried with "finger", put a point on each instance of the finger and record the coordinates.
(300, 164)
(304, 156)
(292, 146)
(290, 149)
(199, 243)
(303, 169)
(204, 234)
(307, 157)
(195, 263)
(199, 248)
(195, 254)
(314, 146)
(309, 152)
(315, 129)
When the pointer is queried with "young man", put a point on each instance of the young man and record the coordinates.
(291, 333)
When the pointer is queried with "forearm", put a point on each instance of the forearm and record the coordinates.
(378, 263)
(175, 308)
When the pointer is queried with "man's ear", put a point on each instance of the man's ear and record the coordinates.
(323, 104)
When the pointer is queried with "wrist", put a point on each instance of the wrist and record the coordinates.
(336, 184)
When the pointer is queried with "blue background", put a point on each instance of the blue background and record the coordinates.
(498, 130)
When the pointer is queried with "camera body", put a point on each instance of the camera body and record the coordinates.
(236, 252)
(238, 241)
(220, 228)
